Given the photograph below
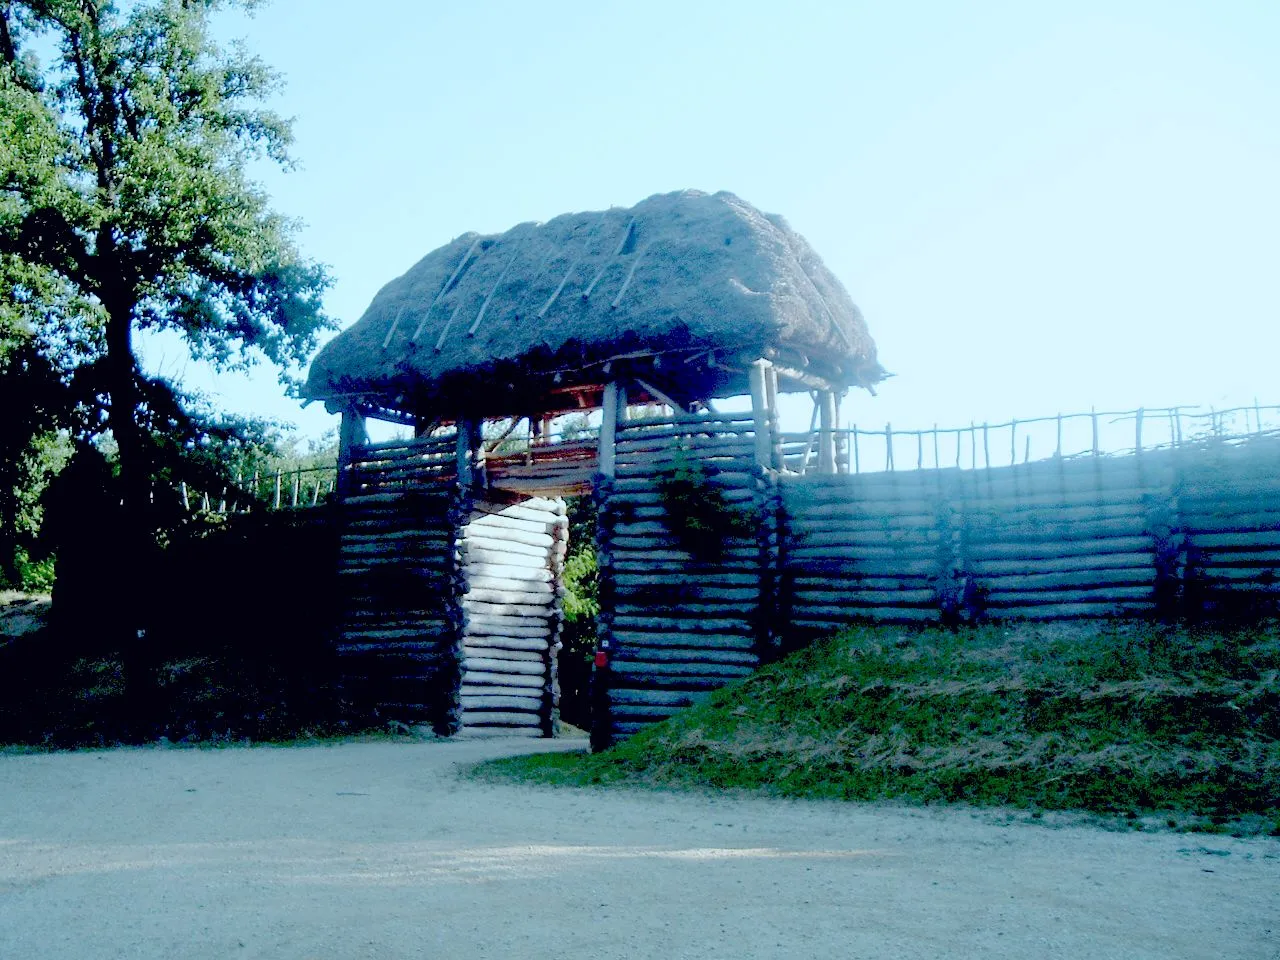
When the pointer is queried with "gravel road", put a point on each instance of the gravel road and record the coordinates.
(378, 850)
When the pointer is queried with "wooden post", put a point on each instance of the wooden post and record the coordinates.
(771, 393)
(465, 430)
(276, 502)
(826, 435)
(609, 410)
(761, 413)
(351, 434)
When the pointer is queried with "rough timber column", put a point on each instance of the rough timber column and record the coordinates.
(762, 412)
(826, 432)
(608, 428)
(351, 434)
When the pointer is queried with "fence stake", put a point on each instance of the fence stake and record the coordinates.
(277, 495)
(186, 504)
(857, 461)
(936, 464)
(1094, 416)
(1138, 431)
(297, 482)
(919, 450)
(1058, 451)
(888, 447)
(958, 449)
(973, 445)
(1026, 457)
(1013, 442)
(986, 450)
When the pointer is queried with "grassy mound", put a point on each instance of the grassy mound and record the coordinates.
(1122, 718)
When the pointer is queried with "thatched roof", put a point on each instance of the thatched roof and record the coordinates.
(702, 277)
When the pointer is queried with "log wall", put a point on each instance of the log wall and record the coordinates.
(400, 633)
(1163, 532)
(512, 557)
(676, 625)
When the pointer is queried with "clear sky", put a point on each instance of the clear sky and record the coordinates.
(1039, 207)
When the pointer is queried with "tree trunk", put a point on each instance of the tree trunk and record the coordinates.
(133, 554)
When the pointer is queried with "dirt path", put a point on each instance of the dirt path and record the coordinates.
(378, 850)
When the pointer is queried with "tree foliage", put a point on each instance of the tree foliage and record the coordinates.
(127, 139)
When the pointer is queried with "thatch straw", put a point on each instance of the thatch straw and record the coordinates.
(677, 272)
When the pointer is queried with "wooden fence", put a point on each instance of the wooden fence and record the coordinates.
(1183, 529)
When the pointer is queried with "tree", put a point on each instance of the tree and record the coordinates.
(126, 204)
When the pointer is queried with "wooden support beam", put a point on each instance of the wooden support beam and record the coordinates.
(761, 413)
(826, 436)
(608, 428)
(351, 434)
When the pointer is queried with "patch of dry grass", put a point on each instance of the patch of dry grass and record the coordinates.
(1121, 717)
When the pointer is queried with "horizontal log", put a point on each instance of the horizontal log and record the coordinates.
(497, 690)
(690, 567)
(704, 579)
(688, 608)
(877, 614)
(535, 509)
(538, 645)
(749, 552)
(479, 678)
(981, 567)
(496, 525)
(1229, 513)
(490, 665)
(472, 649)
(851, 595)
(686, 655)
(621, 502)
(1125, 576)
(638, 711)
(503, 546)
(500, 702)
(1069, 611)
(479, 627)
(1060, 549)
(708, 641)
(824, 567)
(668, 698)
(1235, 575)
(672, 684)
(804, 552)
(476, 583)
(725, 482)
(426, 634)
(348, 646)
(1041, 529)
(495, 718)
(690, 623)
(1100, 594)
(424, 499)
(669, 542)
(508, 572)
(720, 671)
(1237, 540)
(389, 555)
(523, 611)
(474, 556)
(505, 595)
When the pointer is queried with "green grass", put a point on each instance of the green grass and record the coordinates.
(1125, 718)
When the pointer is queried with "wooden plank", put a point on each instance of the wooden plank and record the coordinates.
(472, 649)
(1144, 560)
(692, 623)
(1101, 594)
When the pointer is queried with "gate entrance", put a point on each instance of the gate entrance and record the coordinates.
(452, 551)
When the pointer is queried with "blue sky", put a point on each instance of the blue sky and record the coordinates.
(1039, 207)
